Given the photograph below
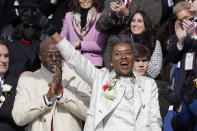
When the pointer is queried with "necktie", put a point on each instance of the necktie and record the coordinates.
(128, 3)
(52, 125)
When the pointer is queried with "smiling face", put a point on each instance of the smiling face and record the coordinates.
(122, 59)
(85, 4)
(4, 59)
(137, 24)
(140, 65)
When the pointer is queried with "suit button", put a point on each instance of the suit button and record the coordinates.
(143, 106)
(100, 111)
(41, 107)
(43, 120)
(66, 100)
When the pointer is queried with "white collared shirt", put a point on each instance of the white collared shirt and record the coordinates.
(1, 79)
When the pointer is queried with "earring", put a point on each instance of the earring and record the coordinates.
(111, 64)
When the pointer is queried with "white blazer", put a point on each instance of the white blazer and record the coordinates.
(147, 114)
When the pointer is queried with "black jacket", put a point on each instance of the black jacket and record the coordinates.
(6, 121)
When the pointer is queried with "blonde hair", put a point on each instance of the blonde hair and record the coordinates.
(183, 5)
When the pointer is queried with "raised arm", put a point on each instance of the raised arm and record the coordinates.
(154, 66)
(82, 66)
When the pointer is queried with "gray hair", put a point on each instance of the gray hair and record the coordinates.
(113, 40)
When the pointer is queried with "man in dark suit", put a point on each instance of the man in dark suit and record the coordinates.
(6, 120)
(184, 46)
(184, 49)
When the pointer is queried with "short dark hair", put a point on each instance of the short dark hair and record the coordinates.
(142, 51)
(75, 6)
(113, 40)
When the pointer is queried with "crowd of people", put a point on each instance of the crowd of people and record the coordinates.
(98, 65)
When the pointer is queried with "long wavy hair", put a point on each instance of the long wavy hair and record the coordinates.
(112, 41)
(75, 6)
(147, 38)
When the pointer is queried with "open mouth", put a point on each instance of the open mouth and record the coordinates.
(124, 65)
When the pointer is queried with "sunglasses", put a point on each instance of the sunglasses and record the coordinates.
(51, 54)
(190, 0)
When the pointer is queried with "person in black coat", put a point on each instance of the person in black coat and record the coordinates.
(6, 121)
(25, 46)
(183, 45)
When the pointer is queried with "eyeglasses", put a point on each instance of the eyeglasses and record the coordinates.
(190, 0)
(51, 54)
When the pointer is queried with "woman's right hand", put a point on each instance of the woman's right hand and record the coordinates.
(76, 44)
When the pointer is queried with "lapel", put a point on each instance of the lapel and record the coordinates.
(138, 95)
(105, 105)
(10, 79)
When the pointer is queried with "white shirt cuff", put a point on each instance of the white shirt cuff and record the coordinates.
(58, 97)
(47, 102)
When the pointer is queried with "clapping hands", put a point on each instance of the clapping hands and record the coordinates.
(56, 84)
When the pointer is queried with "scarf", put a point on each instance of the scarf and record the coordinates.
(90, 19)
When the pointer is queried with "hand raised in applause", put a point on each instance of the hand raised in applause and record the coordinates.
(189, 26)
(56, 84)
(180, 33)
(119, 8)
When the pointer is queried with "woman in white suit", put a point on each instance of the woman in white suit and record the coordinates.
(120, 101)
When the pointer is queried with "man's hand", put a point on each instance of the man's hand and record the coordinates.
(180, 33)
(189, 26)
(56, 84)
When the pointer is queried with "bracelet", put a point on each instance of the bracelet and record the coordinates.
(58, 93)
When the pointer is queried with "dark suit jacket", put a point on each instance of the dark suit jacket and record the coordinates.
(111, 25)
(23, 57)
(175, 56)
(6, 120)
